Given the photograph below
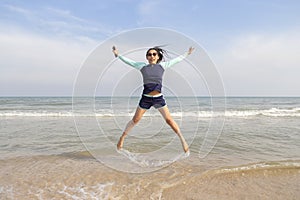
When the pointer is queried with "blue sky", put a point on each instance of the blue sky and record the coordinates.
(255, 44)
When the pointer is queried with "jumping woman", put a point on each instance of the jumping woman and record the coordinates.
(152, 73)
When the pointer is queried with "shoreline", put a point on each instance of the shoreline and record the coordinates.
(65, 177)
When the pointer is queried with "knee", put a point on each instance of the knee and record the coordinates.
(135, 120)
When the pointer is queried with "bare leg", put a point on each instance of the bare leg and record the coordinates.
(167, 116)
(136, 118)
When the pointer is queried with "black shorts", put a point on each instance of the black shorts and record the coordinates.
(146, 102)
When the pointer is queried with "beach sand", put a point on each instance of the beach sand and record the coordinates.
(82, 177)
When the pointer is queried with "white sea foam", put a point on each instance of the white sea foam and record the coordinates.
(141, 159)
(273, 112)
(35, 114)
(263, 165)
(8, 191)
(98, 191)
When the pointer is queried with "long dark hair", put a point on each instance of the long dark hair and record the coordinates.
(161, 52)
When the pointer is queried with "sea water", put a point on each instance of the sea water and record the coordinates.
(49, 148)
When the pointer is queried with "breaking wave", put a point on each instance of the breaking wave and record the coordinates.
(273, 112)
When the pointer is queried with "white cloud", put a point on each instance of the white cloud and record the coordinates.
(16, 9)
(271, 50)
(41, 54)
(65, 14)
(50, 20)
(262, 64)
(151, 11)
(28, 61)
(149, 7)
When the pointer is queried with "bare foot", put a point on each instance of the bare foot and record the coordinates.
(185, 147)
(120, 143)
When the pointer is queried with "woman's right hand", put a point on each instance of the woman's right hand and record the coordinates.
(191, 49)
(115, 51)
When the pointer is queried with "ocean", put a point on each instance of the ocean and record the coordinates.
(65, 148)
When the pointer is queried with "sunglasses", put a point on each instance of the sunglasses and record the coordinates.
(151, 54)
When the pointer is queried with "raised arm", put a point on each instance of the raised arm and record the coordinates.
(177, 59)
(137, 65)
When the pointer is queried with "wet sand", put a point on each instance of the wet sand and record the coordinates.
(82, 177)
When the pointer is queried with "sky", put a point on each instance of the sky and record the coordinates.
(254, 44)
